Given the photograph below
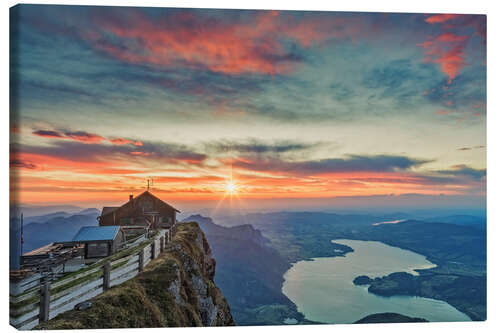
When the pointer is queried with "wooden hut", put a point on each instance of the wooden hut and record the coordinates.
(99, 241)
(144, 210)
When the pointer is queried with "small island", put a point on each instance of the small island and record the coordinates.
(433, 285)
(362, 280)
(389, 317)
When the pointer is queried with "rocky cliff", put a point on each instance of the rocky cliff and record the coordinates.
(176, 289)
(249, 273)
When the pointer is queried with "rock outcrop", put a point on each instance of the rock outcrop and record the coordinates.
(176, 289)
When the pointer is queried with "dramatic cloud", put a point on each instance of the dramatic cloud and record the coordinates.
(121, 141)
(448, 48)
(14, 163)
(259, 147)
(105, 159)
(353, 163)
(77, 136)
(463, 170)
(49, 134)
(291, 104)
(470, 148)
(440, 18)
(85, 137)
(254, 43)
(93, 152)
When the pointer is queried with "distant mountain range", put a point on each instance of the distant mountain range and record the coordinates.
(55, 227)
(32, 210)
(465, 220)
(47, 217)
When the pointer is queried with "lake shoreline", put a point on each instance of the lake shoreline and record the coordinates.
(421, 264)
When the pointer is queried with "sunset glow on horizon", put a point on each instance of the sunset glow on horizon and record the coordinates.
(259, 105)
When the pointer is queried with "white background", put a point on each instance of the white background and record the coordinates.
(422, 6)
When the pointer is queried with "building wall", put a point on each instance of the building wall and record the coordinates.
(118, 241)
(97, 249)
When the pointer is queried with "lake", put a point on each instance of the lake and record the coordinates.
(323, 289)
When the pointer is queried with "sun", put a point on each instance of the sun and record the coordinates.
(231, 188)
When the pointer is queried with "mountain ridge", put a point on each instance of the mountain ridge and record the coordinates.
(55, 229)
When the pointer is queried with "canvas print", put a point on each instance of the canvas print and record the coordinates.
(215, 167)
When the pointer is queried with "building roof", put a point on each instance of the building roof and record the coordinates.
(88, 234)
(42, 250)
(107, 210)
(151, 194)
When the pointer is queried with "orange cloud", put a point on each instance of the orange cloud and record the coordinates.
(46, 163)
(139, 153)
(121, 141)
(440, 18)
(49, 134)
(69, 185)
(447, 50)
(254, 45)
(16, 163)
(84, 137)
(77, 136)
(451, 38)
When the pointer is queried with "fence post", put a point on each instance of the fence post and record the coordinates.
(44, 301)
(106, 272)
(153, 248)
(141, 260)
(162, 244)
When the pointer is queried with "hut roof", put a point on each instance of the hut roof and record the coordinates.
(107, 210)
(88, 234)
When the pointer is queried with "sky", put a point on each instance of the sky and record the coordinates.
(244, 107)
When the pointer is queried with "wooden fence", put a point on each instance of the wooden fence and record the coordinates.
(34, 301)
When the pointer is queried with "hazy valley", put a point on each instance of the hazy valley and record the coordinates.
(254, 252)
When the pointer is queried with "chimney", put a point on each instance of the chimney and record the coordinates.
(131, 197)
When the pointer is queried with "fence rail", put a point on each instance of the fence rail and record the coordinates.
(34, 301)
